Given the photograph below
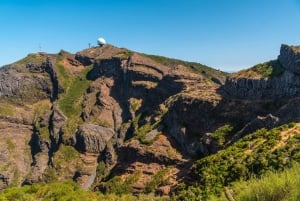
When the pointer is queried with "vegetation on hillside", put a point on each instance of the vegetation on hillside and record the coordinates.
(64, 191)
(264, 70)
(31, 58)
(274, 186)
(70, 102)
(193, 66)
(252, 156)
(256, 167)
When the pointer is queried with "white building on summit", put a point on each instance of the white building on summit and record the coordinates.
(101, 42)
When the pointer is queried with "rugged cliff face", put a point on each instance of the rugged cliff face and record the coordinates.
(108, 114)
(270, 80)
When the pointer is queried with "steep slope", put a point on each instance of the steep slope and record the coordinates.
(74, 112)
(118, 121)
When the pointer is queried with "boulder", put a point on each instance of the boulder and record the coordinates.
(92, 138)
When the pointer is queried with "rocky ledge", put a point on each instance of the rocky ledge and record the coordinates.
(282, 80)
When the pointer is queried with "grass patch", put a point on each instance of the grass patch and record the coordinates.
(269, 69)
(31, 58)
(10, 145)
(118, 186)
(275, 186)
(6, 110)
(40, 110)
(66, 162)
(192, 66)
(70, 102)
(68, 152)
(264, 70)
(67, 190)
(140, 132)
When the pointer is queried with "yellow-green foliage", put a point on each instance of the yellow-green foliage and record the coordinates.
(70, 102)
(31, 58)
(66, 161)
(40, 109)
(253, 155)
(140, 131)
(119, 187)
(66, 191)
(68, 152)
(275, 186)
(70, 126)
(6, 110)
(65, 154)
(160, 178)
(271, 68)
(192, 66)
(220, 134)
(10, 145)
(263, 70)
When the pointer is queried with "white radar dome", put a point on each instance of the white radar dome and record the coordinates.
(101, 41)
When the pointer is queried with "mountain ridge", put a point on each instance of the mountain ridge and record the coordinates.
(108, 115)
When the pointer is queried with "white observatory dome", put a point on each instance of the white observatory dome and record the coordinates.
(101, 41)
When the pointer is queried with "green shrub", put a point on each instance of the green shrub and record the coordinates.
(251, 156)
(68, 152)
(220, 134)
(275, 186)
(118, 187)
(158, 179)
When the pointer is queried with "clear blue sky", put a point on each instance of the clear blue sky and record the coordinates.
(225, 34)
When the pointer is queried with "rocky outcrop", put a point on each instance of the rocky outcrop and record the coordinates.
(259, 122)
(56, 87)
(189, 118)
(89, 56)
(57, 120)
(28, 87)
(15, 158)
(92, 138)
(290, 58)
(105, 67)
(29, 81)
(286, 84)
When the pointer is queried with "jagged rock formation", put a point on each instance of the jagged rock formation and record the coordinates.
(92, 138)
(285, 82)
(108, 113)
(290, 58)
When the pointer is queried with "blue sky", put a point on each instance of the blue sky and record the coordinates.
(224, 34)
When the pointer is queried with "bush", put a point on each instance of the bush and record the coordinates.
(253, 155)
(220, 134)
(274, 186)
